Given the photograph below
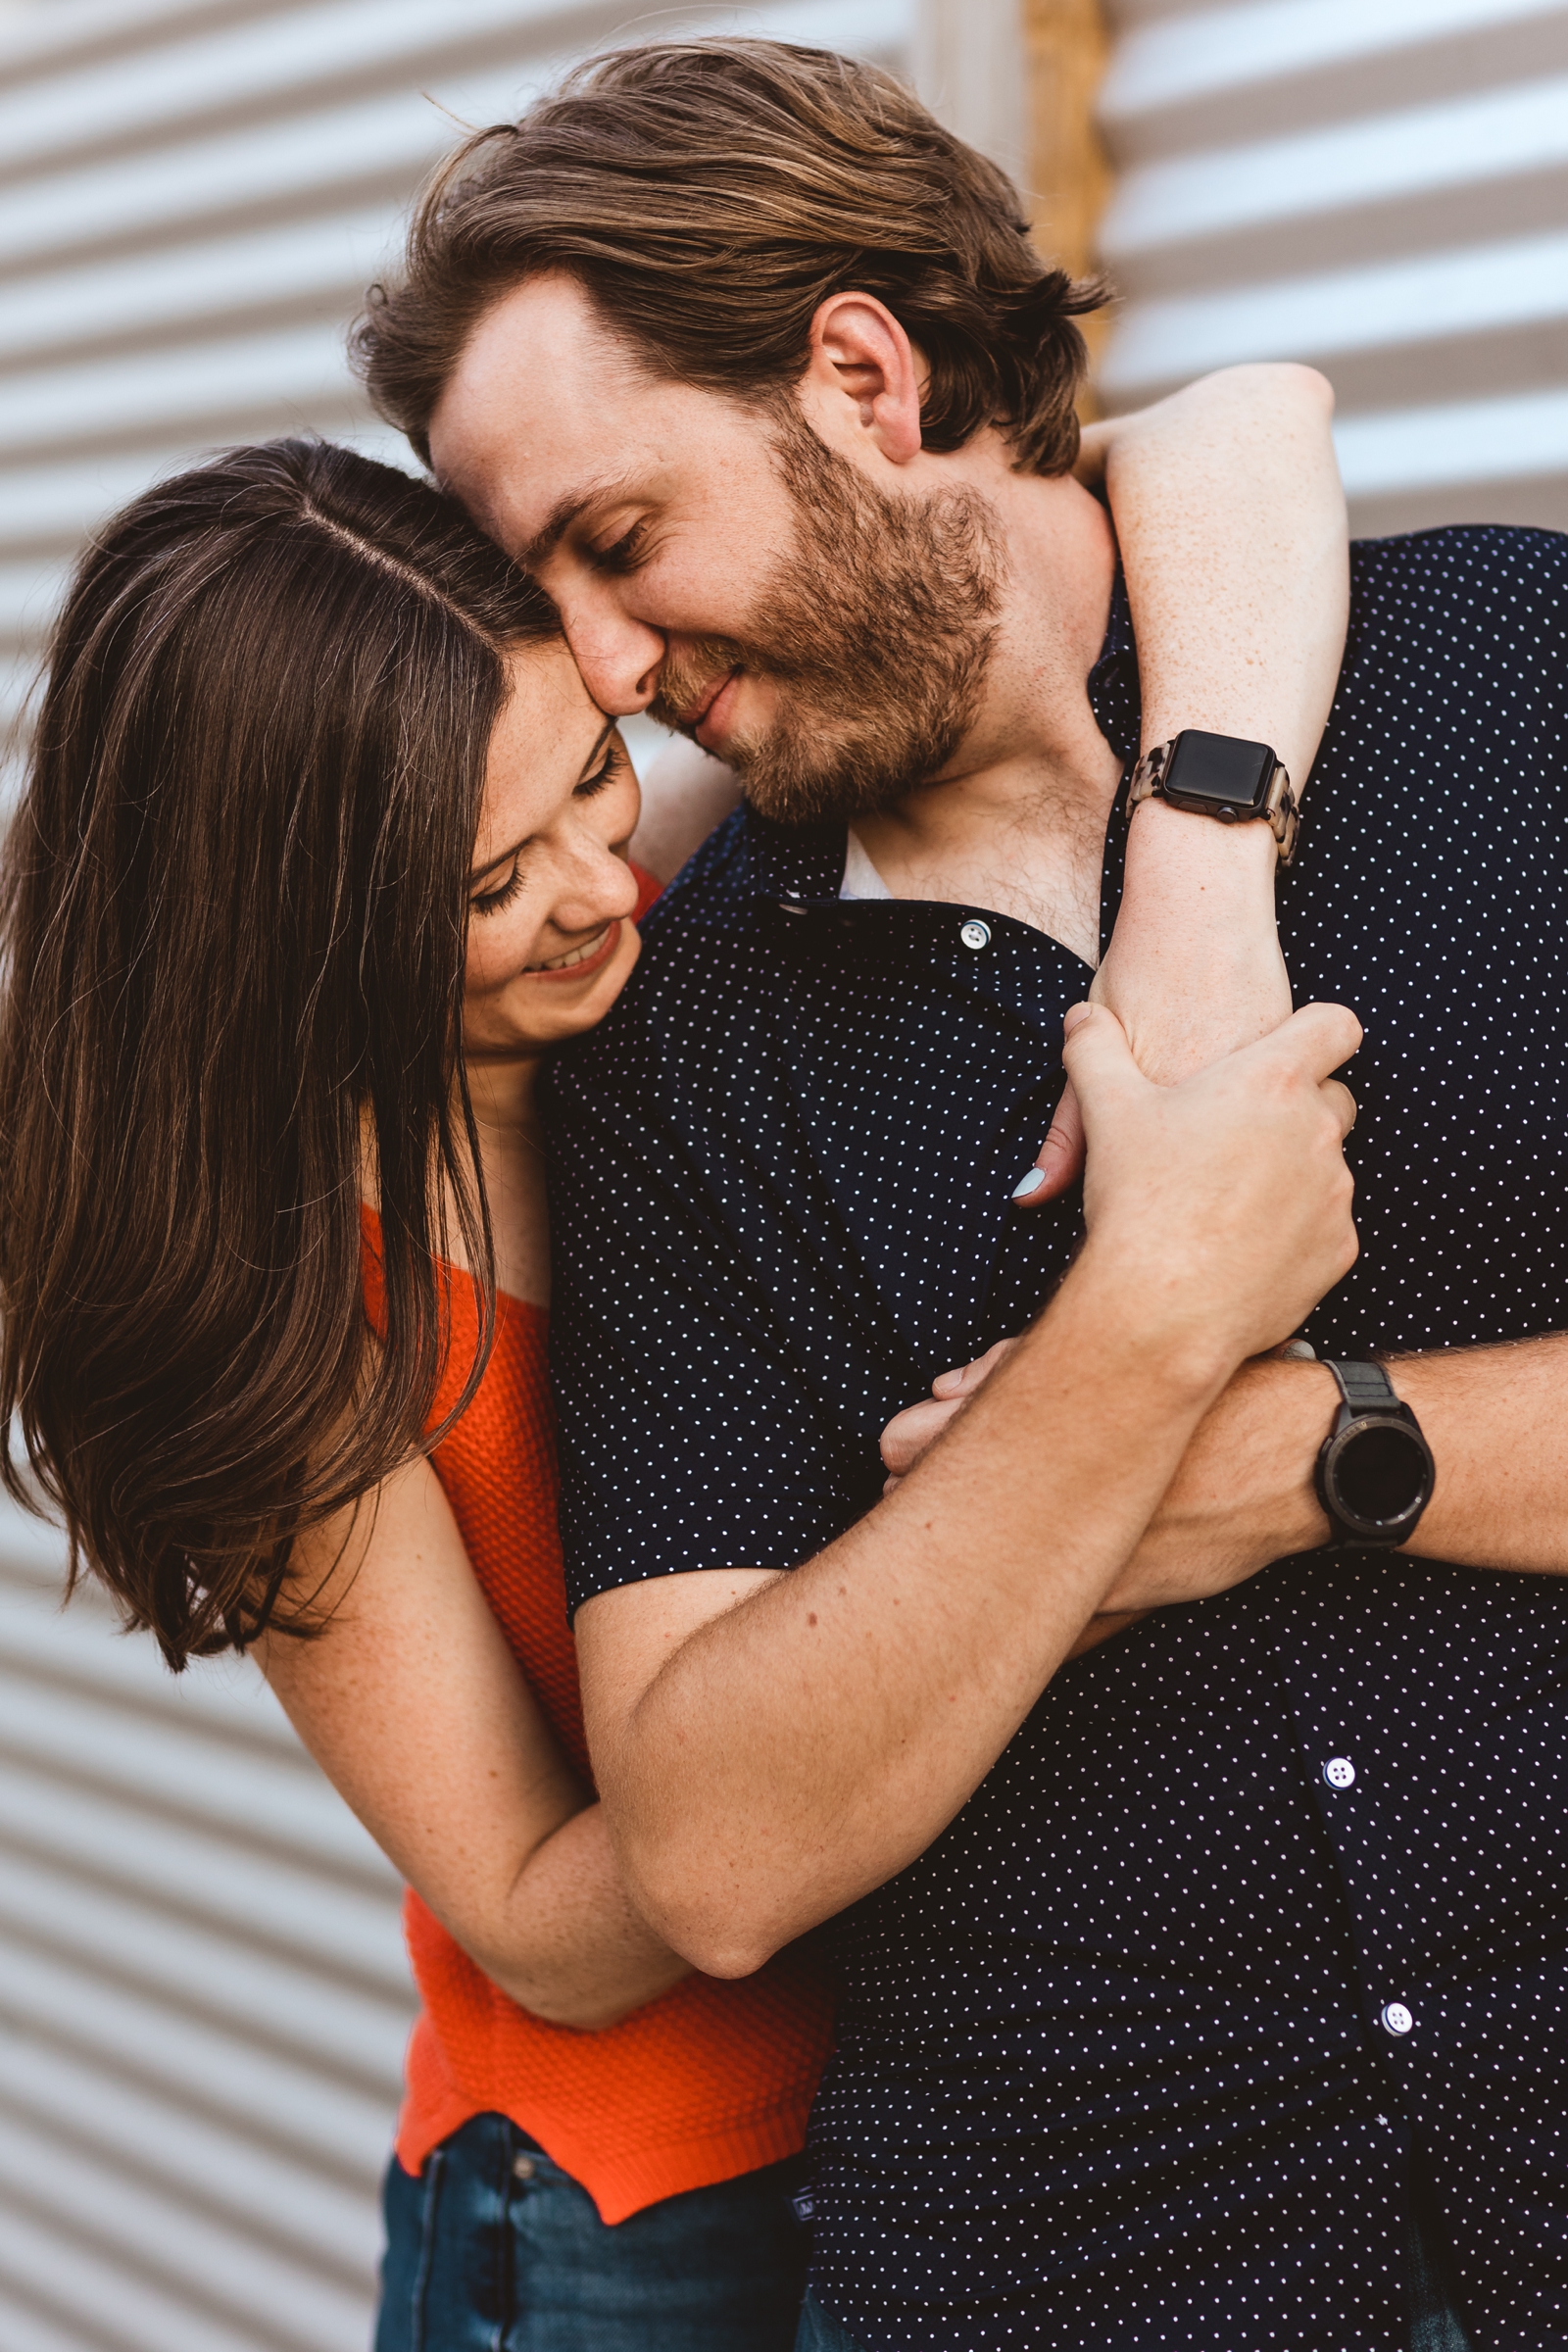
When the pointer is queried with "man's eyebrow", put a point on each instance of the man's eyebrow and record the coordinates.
(478, 872)
(562, 514)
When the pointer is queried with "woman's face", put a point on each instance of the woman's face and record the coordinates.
(550, 941)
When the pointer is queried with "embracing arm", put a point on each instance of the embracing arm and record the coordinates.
(1231, 523)
(770, 1747)
(1496, 1421)
(1495, 1418)
(413, 1706)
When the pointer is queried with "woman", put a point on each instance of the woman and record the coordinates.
(288, 938)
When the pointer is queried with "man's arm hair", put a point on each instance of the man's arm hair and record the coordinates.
(768, 1747)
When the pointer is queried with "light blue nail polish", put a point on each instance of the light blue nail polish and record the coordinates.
(1027, 1186)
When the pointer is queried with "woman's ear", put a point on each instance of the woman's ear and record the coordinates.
(863, 382)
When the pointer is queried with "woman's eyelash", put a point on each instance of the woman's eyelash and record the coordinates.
(491, 901)
(600, 778)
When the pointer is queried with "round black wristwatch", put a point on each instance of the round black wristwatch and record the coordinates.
(1223, 776)
(1375, 1473)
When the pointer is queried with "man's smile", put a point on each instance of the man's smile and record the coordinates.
(705, 718)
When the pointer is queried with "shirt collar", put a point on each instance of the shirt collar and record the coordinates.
(805, 863)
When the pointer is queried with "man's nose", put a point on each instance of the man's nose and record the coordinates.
(619, 657)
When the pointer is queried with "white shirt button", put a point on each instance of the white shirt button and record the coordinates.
(1397, 2017)
(1338, 1772)
(975, 935)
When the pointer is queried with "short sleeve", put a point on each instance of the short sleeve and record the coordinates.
(692, 1436)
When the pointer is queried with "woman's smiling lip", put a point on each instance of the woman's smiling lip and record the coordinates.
(578, 962)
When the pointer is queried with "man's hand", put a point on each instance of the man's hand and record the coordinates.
(770, 1746)
(1194, 969)
(1177, 1195)
(910, 1434)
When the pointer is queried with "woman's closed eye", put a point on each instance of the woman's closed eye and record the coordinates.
(614, 759)
(491, 901)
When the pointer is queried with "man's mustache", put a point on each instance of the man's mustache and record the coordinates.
(689, 681)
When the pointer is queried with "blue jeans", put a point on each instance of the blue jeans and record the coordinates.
(495, 2249)
(819, 2332)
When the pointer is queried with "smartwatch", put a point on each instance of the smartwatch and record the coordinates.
(1375, 1473)
(1221, 776)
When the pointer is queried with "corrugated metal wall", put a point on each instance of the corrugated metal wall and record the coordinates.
(203, 1994)
(1379, 186)
(192, 196)
(203, 2002)
(202, 1990)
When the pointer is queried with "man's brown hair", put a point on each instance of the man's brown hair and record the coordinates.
(709, 195)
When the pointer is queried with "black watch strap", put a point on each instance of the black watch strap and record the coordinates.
(1371, 1401)
(1365, 1388)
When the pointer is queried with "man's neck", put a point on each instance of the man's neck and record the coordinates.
(1017, 821)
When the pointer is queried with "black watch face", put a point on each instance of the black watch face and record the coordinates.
(1220, 769)
(1379, 1474)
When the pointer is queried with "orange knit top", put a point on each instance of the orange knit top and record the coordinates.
(712, 2078)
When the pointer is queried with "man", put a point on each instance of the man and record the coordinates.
(1205, 1982)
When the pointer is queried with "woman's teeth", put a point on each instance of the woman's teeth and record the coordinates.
(563, 963)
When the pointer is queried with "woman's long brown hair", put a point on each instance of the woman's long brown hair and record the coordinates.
(234, 906)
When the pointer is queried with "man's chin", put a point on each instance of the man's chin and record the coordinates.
(793, 798)
(800, 793)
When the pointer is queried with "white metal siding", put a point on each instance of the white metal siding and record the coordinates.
(203, 1992)
(1378, 187)
(203, 2002)
(192, 197)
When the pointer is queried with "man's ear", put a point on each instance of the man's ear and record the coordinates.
(863, 382)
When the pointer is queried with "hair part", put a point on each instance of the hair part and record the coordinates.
(235, 919)
(709, 195)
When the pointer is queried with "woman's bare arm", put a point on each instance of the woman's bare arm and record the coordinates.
(416, 1709)
(1231, 522)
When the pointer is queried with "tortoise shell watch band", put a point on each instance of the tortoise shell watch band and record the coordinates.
(1223, 776)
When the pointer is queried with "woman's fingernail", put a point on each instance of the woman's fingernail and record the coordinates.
(1027, 1186)
(1075, 1017)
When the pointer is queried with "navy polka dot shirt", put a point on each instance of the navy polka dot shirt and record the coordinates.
(1253, 1944)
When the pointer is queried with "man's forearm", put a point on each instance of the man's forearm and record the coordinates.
(801, 1748)
(768, 1747)
(1496, 1421)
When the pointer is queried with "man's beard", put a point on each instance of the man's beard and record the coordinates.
(876, 628)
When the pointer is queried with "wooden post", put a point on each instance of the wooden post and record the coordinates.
(1070, 174)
